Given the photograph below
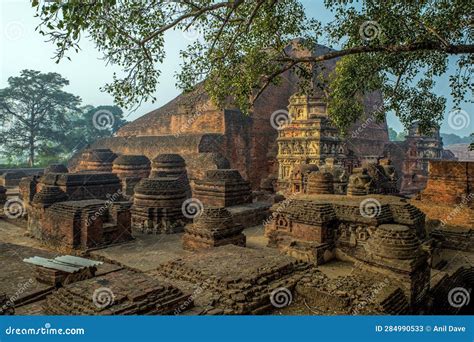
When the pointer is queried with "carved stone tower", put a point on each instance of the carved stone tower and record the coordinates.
(307, 138)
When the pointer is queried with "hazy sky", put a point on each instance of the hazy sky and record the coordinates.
(23, 48)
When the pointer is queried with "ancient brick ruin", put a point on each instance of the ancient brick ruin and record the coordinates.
(411, 157)
(384, 238)
(172, 166)
(131, 169)
(308, 137)
(192, 209)
(157, 206)
(222, 188)
(212, 228)
(127, 293)
(240, 280)
(450, 182)
(76, 210)
(99, 160)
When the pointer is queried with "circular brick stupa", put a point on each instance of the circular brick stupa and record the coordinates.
(168, 165)
(157, 206)
(214, 227)
(131, 166)
(99, 160)
(394, 241)
(320, 183)
(173, 166)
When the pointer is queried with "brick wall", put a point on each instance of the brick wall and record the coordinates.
(450, 182)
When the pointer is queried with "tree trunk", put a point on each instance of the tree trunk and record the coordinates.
(31, 159)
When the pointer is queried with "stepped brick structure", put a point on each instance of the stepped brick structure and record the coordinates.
(11, 178)
(320, 183)
(125, 293)
(222, 188)
(239, 280)
(98, 160)
(171, 165)
(79, 224)
(384, 238)
(441, 303)
(329, 219)
(168, 165)
(76, 210)
(83, 185)
(131, 166)
(450, 182)
(212, 228)
(131, 169)
(157, 206)
(308, 137)
(396, 249)
(360, 293)
(207, 136)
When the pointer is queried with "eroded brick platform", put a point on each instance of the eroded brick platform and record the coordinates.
(118, 293)
(240, 279)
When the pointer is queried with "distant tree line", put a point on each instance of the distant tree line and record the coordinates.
(393, 135)
(42, 123)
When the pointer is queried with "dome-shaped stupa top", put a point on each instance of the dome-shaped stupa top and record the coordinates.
(169, 158)
(132, 160)
(394, 241)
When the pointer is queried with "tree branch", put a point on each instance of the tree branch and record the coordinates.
(175, 22)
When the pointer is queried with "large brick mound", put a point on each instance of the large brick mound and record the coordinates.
(205, 135)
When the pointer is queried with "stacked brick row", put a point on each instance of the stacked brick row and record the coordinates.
(124, 293)
(242, 280)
